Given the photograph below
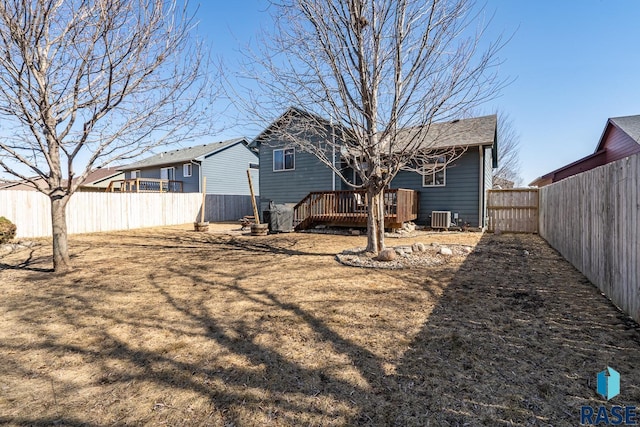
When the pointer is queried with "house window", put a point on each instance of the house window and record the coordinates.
(284, 159)
(434, 174)
(135, 174)
(187, 169)
(168, 174)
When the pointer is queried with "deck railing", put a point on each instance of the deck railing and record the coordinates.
(350, 207)
(145, 185)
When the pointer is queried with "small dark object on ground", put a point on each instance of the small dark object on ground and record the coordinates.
(247, 221)
(201, 226)
(259, 229)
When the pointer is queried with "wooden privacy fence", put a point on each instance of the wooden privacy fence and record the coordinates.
(92, 212)
(593, 219)
(513, 210)
(228, 207)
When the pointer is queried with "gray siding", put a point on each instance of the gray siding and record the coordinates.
(459, 195)
(189, 184)
(226, 171)
(291, 186)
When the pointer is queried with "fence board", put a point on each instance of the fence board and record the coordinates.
(513, 210)
(89, 212)
(224, 207)
(592, 219)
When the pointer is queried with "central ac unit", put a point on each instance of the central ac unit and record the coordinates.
(440, 219)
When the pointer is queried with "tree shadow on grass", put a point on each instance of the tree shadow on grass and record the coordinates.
(29, 264)
(515, 338)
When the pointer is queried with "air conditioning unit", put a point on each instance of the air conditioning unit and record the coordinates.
(440, 219)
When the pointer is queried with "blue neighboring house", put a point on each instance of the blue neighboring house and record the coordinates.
(224, 164)
(288, 174)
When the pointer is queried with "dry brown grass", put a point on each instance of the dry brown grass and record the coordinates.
(169, 326)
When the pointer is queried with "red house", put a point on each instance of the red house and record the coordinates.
(621, 138)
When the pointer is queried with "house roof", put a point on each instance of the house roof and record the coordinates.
(465, 132)
(101, 174)
(549, 177)
(94, 177)
(198, 152)
(628, 124)
(291, 113)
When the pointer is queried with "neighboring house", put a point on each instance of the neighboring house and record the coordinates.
(97, 180)
(500, 183)
(288, 174)
(224, 164)
(620, 138)
(22, 184)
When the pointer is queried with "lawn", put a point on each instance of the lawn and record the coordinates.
(166, 326)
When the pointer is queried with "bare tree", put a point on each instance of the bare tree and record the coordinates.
(508, 152)
(86, 83)
(379, 73)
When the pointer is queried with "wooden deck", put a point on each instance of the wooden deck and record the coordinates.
(349, 208)
(144, 185)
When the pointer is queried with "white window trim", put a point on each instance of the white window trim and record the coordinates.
(168, 178)
(432, 169)
(283, 162)
(185, 167)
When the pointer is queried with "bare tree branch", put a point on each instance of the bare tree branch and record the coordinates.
(377, 74)
(508, 152)
(87, 83)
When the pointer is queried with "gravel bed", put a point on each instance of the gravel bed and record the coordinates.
(357, 257)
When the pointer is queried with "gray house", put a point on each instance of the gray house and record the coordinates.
(289, 175)
(224, 164)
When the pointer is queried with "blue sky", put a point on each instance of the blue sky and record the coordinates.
(575, 64)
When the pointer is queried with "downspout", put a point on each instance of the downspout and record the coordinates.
(481, 189)
(333, 158)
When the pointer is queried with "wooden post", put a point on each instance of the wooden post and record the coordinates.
(204, 196)
(253, 198)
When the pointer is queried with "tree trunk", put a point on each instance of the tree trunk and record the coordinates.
(375, 220)
(61, 262)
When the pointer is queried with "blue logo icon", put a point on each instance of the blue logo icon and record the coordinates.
(609, 383)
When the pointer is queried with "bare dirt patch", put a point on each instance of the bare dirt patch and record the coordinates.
(169, 326)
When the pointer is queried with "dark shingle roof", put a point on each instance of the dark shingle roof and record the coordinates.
(458, 133)
(183, 154)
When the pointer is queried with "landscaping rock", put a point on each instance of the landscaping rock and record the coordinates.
(388, 254)
(404, 249)
(445, 251)
(355, 232)
(467, 249)
(409, 226)
(418, 247)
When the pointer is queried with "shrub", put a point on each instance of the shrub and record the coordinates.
(7, 230)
